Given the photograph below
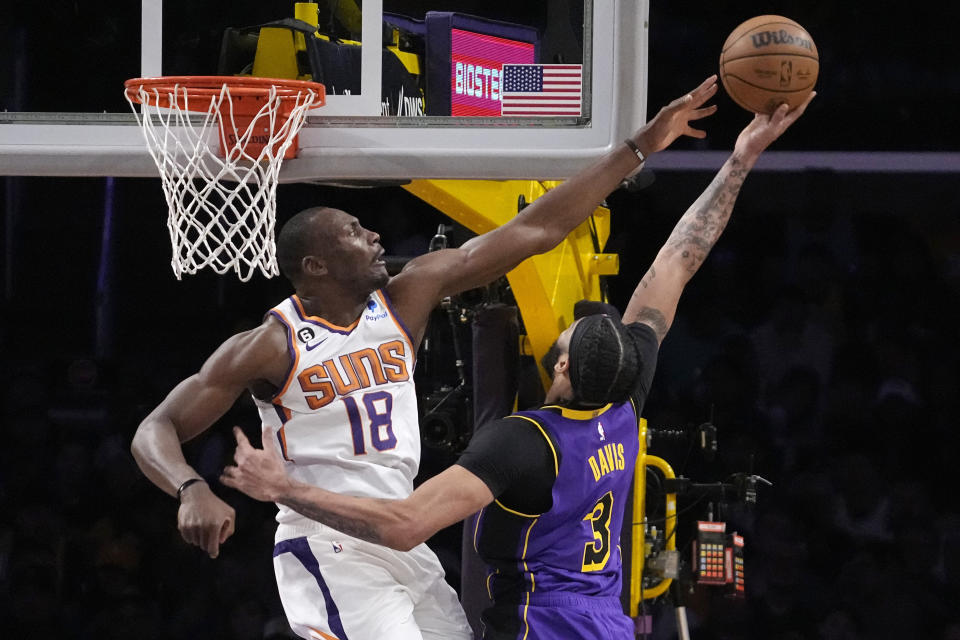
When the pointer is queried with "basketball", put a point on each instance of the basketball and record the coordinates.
(769, 60)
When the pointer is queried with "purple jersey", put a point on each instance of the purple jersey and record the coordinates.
(573, 548)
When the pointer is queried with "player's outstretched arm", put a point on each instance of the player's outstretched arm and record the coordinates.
(654, 301)
(441, 501)
(548, 220)
(189, 409)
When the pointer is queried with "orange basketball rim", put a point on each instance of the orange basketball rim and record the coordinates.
(252, 111)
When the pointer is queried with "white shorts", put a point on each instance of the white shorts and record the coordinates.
(335, 587)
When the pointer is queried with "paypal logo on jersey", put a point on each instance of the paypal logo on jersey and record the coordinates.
(374, 313)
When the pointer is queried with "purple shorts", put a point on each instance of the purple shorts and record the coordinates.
(557, 616)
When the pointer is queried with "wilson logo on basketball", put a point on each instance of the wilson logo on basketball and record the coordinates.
(766, 38)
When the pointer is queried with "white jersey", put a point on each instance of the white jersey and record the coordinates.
(346, 416)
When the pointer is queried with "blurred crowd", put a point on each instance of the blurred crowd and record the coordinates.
(823, 347)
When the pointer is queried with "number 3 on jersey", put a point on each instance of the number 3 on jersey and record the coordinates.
(378, 406)
(597, 553)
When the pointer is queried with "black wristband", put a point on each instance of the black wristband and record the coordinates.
(186, 483)
(636, 149)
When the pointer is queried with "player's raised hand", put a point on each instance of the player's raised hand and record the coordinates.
(673, 120)
(259, 473)
(204, 519)
(764, 129)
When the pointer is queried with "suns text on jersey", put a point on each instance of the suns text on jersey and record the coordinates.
(364, 368)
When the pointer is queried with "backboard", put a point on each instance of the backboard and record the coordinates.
(415, 89)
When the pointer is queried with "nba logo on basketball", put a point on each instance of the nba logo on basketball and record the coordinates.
(786, 73)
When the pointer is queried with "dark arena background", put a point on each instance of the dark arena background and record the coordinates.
(820, 339)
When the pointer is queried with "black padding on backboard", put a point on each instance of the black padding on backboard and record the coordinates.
(336, 65)
(238, 48)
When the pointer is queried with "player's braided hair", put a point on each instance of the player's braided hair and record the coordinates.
(605, 363)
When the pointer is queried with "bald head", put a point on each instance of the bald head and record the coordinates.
(305, 234)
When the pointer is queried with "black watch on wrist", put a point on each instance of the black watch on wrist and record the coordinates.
(186, 483)
(636, 149)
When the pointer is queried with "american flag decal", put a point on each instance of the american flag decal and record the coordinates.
(541, 90)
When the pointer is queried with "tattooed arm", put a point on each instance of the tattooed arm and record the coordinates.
(441, 501)
(654, 301)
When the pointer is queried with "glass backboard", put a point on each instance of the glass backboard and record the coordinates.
(415, 89)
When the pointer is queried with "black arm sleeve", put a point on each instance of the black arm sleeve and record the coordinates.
(514, 460)
(645, 339)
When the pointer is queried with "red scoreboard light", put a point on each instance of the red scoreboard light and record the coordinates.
(476, 61)
(464, 58)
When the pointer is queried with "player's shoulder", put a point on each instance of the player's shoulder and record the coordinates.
(424, 274)
(643, 333)
(270, 337)
(414, 292)
(535, 423)
(257, 351)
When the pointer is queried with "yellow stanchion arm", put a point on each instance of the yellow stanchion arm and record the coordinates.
(639, 518)
(638, 552)
(545, 286)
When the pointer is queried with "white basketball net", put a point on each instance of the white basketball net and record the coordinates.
(222, 209)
